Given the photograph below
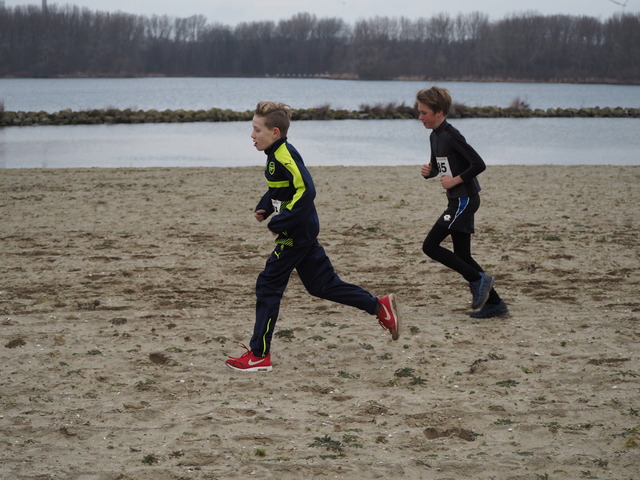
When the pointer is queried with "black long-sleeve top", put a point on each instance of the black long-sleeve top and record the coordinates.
(446, 141)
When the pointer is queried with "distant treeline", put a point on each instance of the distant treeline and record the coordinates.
(70, 41)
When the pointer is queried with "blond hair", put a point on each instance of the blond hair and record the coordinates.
(275, 114)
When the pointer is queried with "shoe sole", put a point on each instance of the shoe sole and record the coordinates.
(250, 369)
(394, 311)
(496, 315)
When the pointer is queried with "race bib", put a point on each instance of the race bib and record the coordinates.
(443, 166)
(276, 206)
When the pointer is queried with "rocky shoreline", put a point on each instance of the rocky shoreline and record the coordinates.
(375, 112)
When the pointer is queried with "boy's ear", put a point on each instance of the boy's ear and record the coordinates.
(276, 132)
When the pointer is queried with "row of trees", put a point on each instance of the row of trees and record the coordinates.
(67, 40)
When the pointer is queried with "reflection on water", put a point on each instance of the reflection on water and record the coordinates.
(346, 142)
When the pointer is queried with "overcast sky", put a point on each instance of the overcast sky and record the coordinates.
(232, 12)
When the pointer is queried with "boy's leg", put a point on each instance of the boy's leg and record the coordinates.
(462, 248)
(431, 247)
(270, 287)
(479, 282)
(321, 280)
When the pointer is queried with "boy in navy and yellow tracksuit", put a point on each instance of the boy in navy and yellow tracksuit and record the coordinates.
(289, 201)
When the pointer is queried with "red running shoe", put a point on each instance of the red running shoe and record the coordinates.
(248, 362)
(388, 315)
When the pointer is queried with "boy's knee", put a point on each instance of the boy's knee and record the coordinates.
(428, 249)
(316, 289)
(314, 292)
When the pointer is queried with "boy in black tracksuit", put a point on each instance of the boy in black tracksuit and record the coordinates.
(290, 199)
(458, 165)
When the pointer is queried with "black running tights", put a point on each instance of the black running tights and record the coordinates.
(460, 259)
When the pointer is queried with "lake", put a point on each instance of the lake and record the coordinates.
(52, 95)
(536, 141)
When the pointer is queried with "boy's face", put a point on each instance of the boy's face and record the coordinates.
(262, 136)
(428, 117)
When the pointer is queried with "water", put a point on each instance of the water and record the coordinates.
(538, 141)
(52, 95)
(535, 141)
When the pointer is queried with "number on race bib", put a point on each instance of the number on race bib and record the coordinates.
(443, 166)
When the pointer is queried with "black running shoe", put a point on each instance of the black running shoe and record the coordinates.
(480, 290)
(491, 310)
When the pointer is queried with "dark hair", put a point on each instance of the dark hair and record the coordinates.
(436, 98)
(275, 114)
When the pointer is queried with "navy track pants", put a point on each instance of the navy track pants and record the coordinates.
(318, 277)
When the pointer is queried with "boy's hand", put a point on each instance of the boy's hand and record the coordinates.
(426, 170)
(447, 182)
(259, 215)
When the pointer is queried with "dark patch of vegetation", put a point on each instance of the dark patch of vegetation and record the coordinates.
(404, 372)
(150, 459)
(286, 334)
(328, 443)
(388, 112)
(15, 343)
(507, 383)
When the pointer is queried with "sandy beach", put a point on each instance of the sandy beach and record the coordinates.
(124, 290)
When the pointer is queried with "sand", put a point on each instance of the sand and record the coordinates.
(124, 290)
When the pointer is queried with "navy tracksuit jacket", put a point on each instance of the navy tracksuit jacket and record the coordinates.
(290, 199)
